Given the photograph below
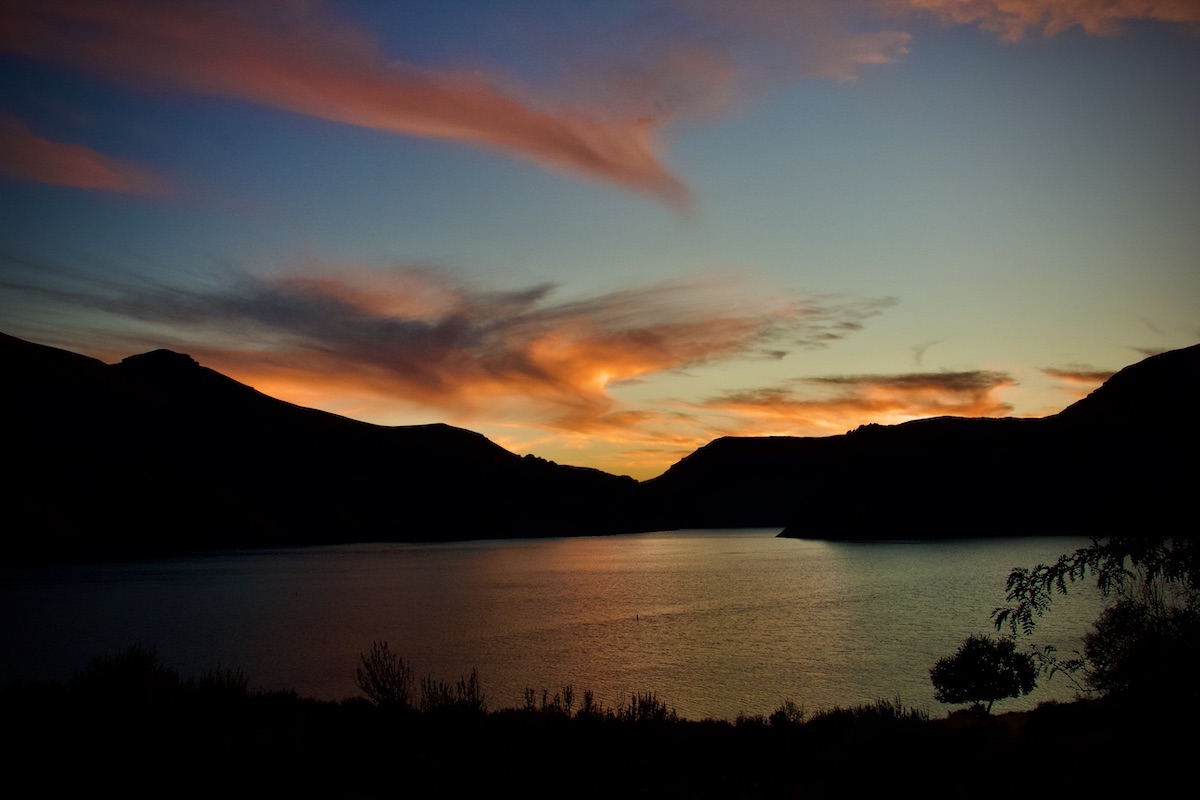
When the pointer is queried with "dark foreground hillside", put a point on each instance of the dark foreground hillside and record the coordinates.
(145, 733)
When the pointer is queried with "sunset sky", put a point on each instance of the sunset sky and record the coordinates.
(609, 232)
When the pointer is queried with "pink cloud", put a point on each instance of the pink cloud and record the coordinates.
(297, 57)
(611, 126)
(799, 38)
(716, 56)
(1013, 19)
(27, 156)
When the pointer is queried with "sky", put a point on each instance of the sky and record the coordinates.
(606, 233)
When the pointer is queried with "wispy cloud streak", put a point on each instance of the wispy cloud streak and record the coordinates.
(420, 337)
(28, 156)
(834, 404)
(692, 59)
(297, 56)
(1012, 20)
(1079, 381)
(1080, 375)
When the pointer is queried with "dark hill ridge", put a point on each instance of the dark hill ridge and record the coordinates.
(915, 474)
(159, 453)
(1122, 458)
(1159, 391)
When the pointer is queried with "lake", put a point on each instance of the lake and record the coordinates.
(715, 622)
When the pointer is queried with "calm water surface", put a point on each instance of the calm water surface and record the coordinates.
(715, 622)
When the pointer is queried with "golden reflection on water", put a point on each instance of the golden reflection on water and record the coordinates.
(717, 623)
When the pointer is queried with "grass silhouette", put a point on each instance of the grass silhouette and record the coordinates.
(131, 725)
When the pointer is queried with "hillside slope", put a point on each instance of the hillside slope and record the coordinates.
(160, 453)
(1123, 457)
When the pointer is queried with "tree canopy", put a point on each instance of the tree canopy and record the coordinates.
(1147, 641)
(983, 670)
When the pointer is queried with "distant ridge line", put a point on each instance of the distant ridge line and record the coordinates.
(158, 454)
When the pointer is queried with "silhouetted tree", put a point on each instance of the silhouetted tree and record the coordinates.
(1148, 640)
(983, 670)
(1140, 648)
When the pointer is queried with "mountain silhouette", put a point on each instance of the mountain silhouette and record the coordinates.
(158, 453)
(1121, 459)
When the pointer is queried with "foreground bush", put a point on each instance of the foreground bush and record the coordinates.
(129, 726)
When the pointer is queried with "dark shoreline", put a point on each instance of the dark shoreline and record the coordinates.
(152, 734)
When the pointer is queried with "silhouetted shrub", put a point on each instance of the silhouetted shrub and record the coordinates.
(225, 682)
(789, 713)
(560, 704)
(880, 710)
(744, 720)
(591, 709)
(646, 708)
(133, 675)
(464, 697)
(384, 677)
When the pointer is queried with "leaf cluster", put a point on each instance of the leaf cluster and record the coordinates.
(1119, 564)
(1147, 641)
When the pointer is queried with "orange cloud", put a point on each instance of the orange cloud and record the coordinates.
(1080, 381)
(420, 338)
(413, 344)
(537, 373)
(1080, 375)
(27, 156)
(296, 57)
(835, 404)
(639, 442)
(643, 442)
(1013, 19)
